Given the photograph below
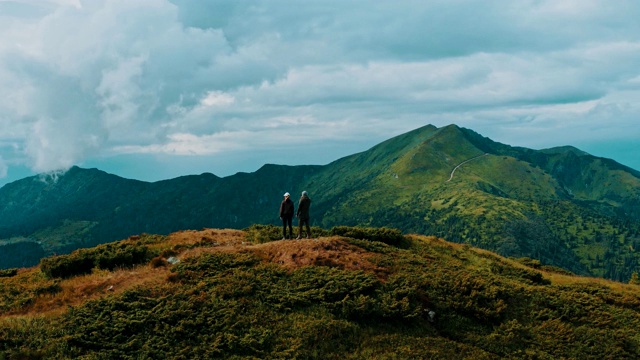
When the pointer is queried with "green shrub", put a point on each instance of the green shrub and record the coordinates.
(211, 264)
(8, 272)
(396, 300)
(557, 270)
(532, 276)
(473, 294)
(532, 263)
(52, 288)
(110, 256)
(78, 262)
(388, 236)
(372, 246)
(145, 238)
(263, 233)
(258, 233)
(536, 264)
(106, 256)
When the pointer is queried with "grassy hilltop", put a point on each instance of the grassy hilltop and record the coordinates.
(349, 293)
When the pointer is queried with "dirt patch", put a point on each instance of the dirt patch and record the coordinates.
(207, 236)
(208, 241)
(332, 252)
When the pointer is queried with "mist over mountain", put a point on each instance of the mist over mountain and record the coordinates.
(561, 205)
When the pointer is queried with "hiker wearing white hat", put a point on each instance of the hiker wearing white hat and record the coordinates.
(286, 215)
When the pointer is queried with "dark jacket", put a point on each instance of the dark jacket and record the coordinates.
(286, 209)
(303, 208)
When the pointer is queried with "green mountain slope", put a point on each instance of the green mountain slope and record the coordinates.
(561, 206)
(85, 207)
(230, 296)
(516, 201)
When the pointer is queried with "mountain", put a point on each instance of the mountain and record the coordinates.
(352, 293)
(562, 206)
(85, 207)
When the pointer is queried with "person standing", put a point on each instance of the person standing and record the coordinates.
(303, 214)
(286, 215)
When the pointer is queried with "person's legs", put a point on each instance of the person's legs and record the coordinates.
(306, 222)
(284, 228)
(290, 228)
(303, 223)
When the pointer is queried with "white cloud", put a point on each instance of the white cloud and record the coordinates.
(190, 144)
(119, 91)
(216, 98)
(102, 77)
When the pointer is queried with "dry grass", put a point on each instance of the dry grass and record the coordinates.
(331, 251)
(227, 237)
(560, 279)
(100, 283)
(563, 279)
(457, 293)
(290, 254)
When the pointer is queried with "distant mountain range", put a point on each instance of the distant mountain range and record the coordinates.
(561, 206)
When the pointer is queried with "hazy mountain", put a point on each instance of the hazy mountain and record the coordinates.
(561, 205)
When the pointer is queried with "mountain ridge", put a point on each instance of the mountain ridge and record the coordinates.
(548, 205)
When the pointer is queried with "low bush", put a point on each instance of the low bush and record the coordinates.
(52, 288)
(557, 270)
(8, 272)
(78, 262)
(158, 261)
(258, 233)
(110, 256)
(106, 256)
(263, 233)
(388, 236)
(532, 276)
(532, 263)
(194, 269)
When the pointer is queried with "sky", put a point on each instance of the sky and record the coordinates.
(155, 89)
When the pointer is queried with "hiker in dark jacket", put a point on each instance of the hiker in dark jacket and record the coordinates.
(286, 215)
(303, 214)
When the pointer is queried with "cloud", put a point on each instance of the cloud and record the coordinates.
(85, 76)
(100, 78)
(216, 98)
(3, 168)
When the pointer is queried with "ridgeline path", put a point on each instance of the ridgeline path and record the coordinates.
(462, 163)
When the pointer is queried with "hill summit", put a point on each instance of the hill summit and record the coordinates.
(348, 293)
(561, 206)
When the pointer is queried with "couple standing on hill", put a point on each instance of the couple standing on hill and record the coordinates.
(286, 215)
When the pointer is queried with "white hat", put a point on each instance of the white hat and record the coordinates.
(286, 194)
